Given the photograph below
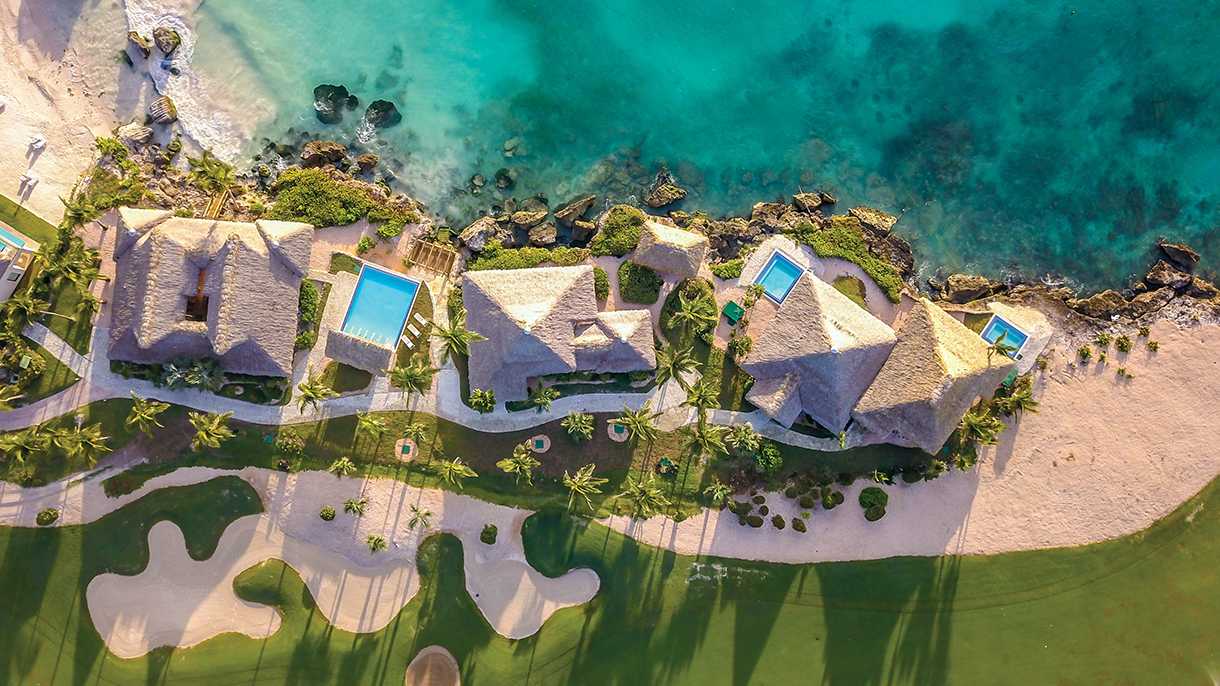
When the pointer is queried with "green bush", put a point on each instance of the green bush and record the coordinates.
(728, 270)
(47, 517)
(1085, 353)
(621, 234)
(308, 302)
(257, 209)
(601, 283)
(639, 376)
(289, 442)
(638, 284)
(844, 239)
(483, 401)
(764, 510)
(740, 346)
(489, 534)
(310, 196)
(754, 521)
(387, 231)
(759, 499)
(807, 502)
(1123, 343)
(873, 496)
(798, 524)
(366, 244)
(778, 522)
(831, 498)
(327, 513)
(768, 457)
(874, 513)
(306, 340)
(1154, 346)
(1103, 340)
(184, 213)
(496, 257)
(740, 508)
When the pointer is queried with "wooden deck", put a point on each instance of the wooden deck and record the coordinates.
(435, 258)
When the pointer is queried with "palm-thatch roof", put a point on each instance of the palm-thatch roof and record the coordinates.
(670, 250)
(937, 370)
(249, 276)
(539, 322)
(818, 355)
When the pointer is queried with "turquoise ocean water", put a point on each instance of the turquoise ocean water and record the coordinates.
(1030, 137)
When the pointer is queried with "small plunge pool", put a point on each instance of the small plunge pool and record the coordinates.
(778, 277)
(380, 306)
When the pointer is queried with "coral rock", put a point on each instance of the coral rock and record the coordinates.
(581, 229)
(1146, 303)
(961, 288)
(329, 101)
(319, 153)
(1103, 305)
(570, 213)
(137, 41)
(167, 39)
(1164, 274)
(484, 230)
(134, 135)
(543, 235)
(1180, 255)
(874, 219)
(665, 194)
(382, 114)
(163, 111)
(1201, 289)
(366, 162)
(527, 220)
(807, 202)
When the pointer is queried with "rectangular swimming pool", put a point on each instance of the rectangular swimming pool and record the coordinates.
(380, 306)
(778, 277)
(9, 237)
(1012, 335)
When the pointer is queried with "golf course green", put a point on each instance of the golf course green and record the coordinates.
(1144, 609)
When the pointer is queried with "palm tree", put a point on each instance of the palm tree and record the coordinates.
(694, 313)
(23, 308)
(210, 429)
(173, 373)
(371, 424)
(82, 445)
(375, 543)
(981, 427)
(354, 506)
(579, 425)
(743, 439)
(674, 361)
(639, 423)
(342, 466)
(415, 377)
(206, 375)
(419, 516)
(521, 464)
(78, 212)
(718, 492)
(704, 439)
(453, 471)
(19, 446)
(702, 396)
(646, 495)
(144, 413)
(543, 396)
(313, 391)
(1022, 400)
(87, 307)
(212, 176)
(583, 484)
(1000, 346)
(415, 432)
(7, 395)
(456, 337)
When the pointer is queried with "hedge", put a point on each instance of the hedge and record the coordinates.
(638, 284)
(308, 302)
(844, 239)
(496, 257)
(621, 233)
(601, 283)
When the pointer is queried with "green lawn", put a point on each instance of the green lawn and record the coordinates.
(57, 377)
(77, 335)
(26, 221)
(1144, 609)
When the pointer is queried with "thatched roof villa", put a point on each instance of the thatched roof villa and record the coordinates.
(197, 287)
(817, 355)
(545, 321)
(937, 370)
(671, 250)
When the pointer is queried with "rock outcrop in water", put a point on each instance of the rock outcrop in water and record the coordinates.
(544, 235)
(319, 153)
(570, 213)
(366, 162)
(167, 39)
(137, 41)
(1180, 255)
(382, 114)
(329, 102)
(1163, 274)
(134, 135)
(163, 111)
(484, 230)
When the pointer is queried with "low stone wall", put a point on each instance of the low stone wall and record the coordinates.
(358, 352)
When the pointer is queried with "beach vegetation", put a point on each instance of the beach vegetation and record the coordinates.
(640, 423)
(495, 256)
(483, 401)
(184, 213)
(690, 311)
(307, 305)
(1085, 353)
(584, 484)
(768, 456)
(754, 521)
(366, 244)
(521, 464)
(1103, 340)
(327, 514)
(305, 340)
(1101, 356)
(342, 466)
(355, 506)
(645, 496)
(764, 510)
(541, 397)
(211, 175)
(807, 502)
(1123, 343)
(257, 209)
(1154, 346)
(843, 238)
(674, 362)
(740, 346)
(717, 493)
(488, 534)
(743, 439)
(143, 415)
(638, 284)
(312, 197)
(728, 270)
(981, 427)
(579, 425)
(456, 338)
(621, 233)
(413, 378)
(798, 524)
(371, 425)
(779, 522)
(1144, 332)
(1002, 347)
(601, 283)
(312, 391)
(873, 500)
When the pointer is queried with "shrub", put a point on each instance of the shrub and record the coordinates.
(601, 283)
(621, 233)
(257, 209)
(638, 284)
(289, 442)
(1123, 343)
(310, 196)
(1154, 346)
(496, 257)
(798, 524)
(639, 376)
(483, 401)
(778, 522)
(740, 508)
(327, 514)
(873, 496)
(1145, 332)
(792, 492)
(728, 270)
(47, 517)
(1085, 353)
(831, 498)
(308, 302)
(807, 502)
(768, 457)
(489, 534)
(305, 340)
(764, 510)
(387, 231)
(874, 513)
(185, 213)
(844, 239)
(366, 244)
(759, 499)
(754, 521)
(1102, 340)
(740, 346)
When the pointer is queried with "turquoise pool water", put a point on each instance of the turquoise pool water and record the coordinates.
(380, 306)
(1030, 136)
(778, 277)
(1012, 335)
(9, 237)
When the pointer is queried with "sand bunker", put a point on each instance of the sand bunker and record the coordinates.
(433, 666)
(178, 601)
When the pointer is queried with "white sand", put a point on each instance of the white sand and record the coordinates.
(178, 601)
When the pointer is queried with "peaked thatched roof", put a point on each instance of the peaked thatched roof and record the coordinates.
(545, 321)
(936, 372)
(671, 250)
(251, 277)
(818, 355)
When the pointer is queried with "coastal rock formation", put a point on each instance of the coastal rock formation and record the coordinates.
(535, 203)
(1149, 302)
(961, 288)
(1101, 306)
(874, 219)
(163, 111)
(1180, 255)
(827, 198)
(382, 114)
(568, 214)
(319, 153)
(581, 229)
(137, 41)
(366, 162)
(543, 235)
(167, 39)
(1201, 289)
(485, 229)
(895, 250)
(665, 194)
(134, 135)
(506, 178)
(525, 219)
(329, 102)
(807, 202)
(1163, 274)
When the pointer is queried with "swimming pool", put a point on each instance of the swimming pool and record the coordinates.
(778, 277)
(380, 306)
(9, 237)
(1012, 335)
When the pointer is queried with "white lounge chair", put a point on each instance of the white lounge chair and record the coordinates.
(421, 320)
(414, 331)
(38, 142)
(407, 342)
(30, 179)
